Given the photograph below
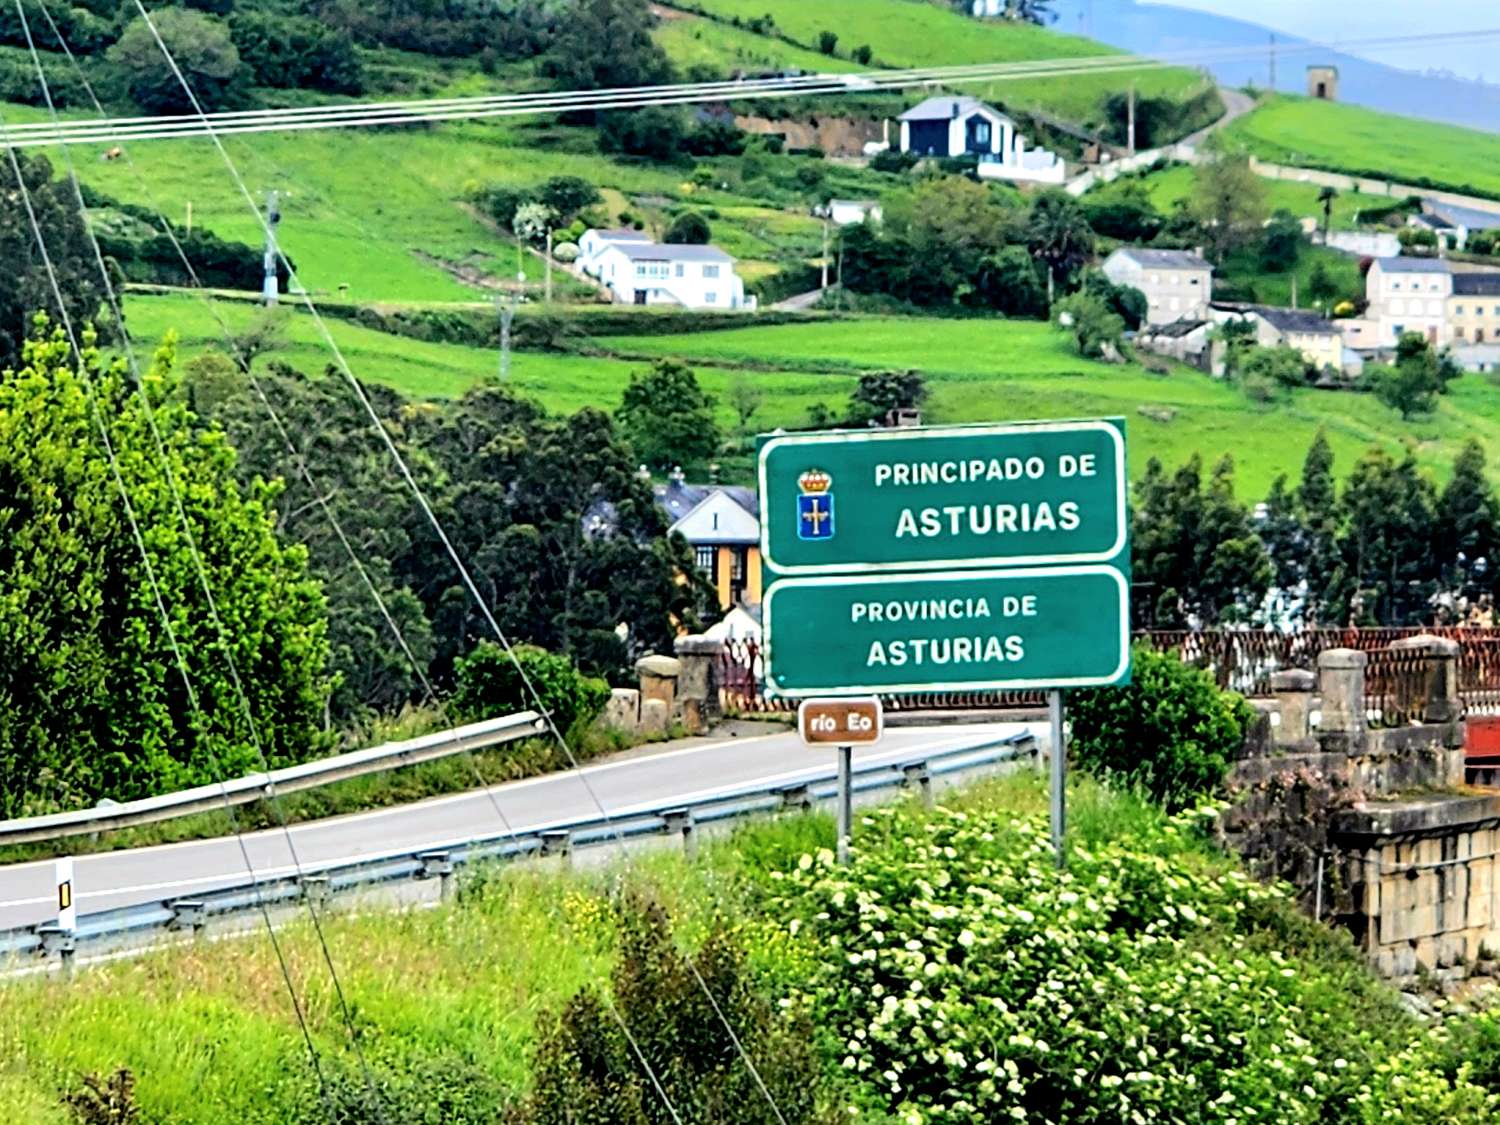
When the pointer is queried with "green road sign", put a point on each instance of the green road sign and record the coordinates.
(881, 501)
(1042, 627)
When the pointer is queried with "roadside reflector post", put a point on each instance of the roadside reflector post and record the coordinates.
(919, 776)
(314, 889)
(60, 943)
(679, 822)
(846, 801)
(439, 865)
(558, 843)
(794, 798)
(1059, 771)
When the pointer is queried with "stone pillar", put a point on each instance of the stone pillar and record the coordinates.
(1293, 689)
(1439, 684)
(698, 682)
(658, 691)
(1341, 682)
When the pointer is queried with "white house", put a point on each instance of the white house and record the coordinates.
(950, 126)
(1455, 223)
(639, 271)
(1178, 284)
(852, 212)
(1408, 295)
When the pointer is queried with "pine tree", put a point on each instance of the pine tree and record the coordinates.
(1468, 533)
(1387, 543)
(1317, 509)
(1232, 568)
(1283, 534)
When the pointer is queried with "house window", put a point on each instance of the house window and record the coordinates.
(704, 557)
(1192, 281)
(681, 270)
(1458, 310)
(711, 298)
(1479, 335)
(1459, 332)
(1399, 329)
(710, 271)
(737, 571)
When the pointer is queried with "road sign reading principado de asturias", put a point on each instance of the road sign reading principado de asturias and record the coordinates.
(946, 559)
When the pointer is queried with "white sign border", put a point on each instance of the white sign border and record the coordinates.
(836, 437)
(776, 692)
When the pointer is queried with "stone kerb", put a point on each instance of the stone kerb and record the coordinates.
(659, 676)
(697, 702)
(1293, 691)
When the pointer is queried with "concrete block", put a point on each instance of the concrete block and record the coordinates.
(1450, 951)
(658, 680)
(1341, 683)
(623, 711)
(656, 716)
(1426, 952)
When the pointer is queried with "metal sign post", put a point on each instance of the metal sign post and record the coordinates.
(1059, 781)
(846, 723)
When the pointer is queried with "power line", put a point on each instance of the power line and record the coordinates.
(434, 111)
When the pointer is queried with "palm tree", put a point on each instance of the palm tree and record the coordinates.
(1326, 198)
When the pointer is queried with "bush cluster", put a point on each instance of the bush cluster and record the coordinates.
(491, 683)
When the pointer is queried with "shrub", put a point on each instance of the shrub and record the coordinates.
(893, 160)
(827, 42)
(1171, 732)
(689, 228)
(862, 54)
(490, 683)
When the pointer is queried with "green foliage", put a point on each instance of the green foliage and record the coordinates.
(1281, 368)
(604, 45)
(880, 393)
(1096, 330)
(1126, 302)
(1228, 204)
(1123, 211)
(1388, 520)
(203, 50)
(1171, 733)
(587, 1068)
(827, 42)
(93, 700)
(1008, 283)
(490, 683)
(105, 1101)
(25, 284)
(1281, 243)
(690, 228)
(1058, 234)
(1420, 374)
(1467, 542)
(1194, 547)
(295, 52)
(667, 418)
(653, 132)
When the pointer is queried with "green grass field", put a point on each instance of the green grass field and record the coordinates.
(1383, 146)
(1173, 185)
(904, 33)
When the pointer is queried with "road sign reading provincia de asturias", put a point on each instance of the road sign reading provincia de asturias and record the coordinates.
(966, 558)
(1029, 494)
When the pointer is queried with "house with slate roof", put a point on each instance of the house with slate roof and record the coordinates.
(1310, 332)
(949, 126)
(722, 522)
(1178, 284)
(1455, 223)
(638, 271)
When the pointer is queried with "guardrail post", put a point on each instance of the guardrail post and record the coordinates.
(61, 943)
(917, 774)
(559, 843)
(794, 798)
(439, 865)
(680, 821)
(314, 889)
(188, 914)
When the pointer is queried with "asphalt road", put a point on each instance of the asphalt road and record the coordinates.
(638, 783)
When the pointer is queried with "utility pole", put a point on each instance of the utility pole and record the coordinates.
(825, 254)
(1130, 122)
(1294, 290)
(841, 269)
(190, 218)
(1273, 62)
(547, 298)
(270, 287)
(507, 313)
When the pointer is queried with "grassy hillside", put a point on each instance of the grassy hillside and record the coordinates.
(1173, 185)
(1349, 138)
(917, 33)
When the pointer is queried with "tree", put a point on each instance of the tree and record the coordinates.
(605, 44)
(653, 132)
(1281, 531)
(93, 699)
(950, 224)
(532, 221)
(1228, 203)
(1322, 286)
(1237, 339)
(1195, 548)
(1389, 527)
(862, 54)
(25, 285)
(1281, 243)
(1326, 196)
(1468, 534)
(1095, 329)
(203, 50)
(689, 228)
(1058, 234)
(880, 393)
(1412, 385)
(1317, 508)
(667, 418)
(567, 196)
(1278, 367)
(1125, 301)
(1008, 283)
(1124, 211)
(745, 397)
(827, 42)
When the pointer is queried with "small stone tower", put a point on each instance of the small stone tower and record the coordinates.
(1323, 82)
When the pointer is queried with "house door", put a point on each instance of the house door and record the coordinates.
(640, 296)
(977, 135)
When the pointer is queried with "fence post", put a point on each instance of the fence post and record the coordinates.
(919, 775)
(439, 865)
(62, 943)
(558, 843)
(1293, 689)
(1341, 682)
(680, 822)
(188, 914)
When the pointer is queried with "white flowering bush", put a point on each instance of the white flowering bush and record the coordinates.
(962, 979)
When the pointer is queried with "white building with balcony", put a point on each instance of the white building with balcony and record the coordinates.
(639, 271)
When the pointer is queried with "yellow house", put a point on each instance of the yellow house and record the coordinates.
(1474, 308)
(1316, 337)
(722, 522)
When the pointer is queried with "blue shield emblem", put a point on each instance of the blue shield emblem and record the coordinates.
(815, 506)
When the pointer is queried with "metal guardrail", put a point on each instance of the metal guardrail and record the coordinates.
(292, 779)
(555, 838)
